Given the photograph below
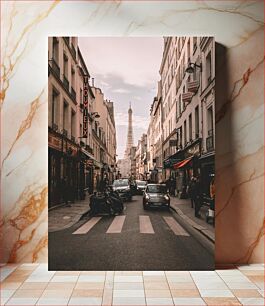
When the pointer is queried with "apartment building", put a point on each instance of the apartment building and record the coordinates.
(64, 105)
(187, 75)
(155, 139)
(104, 133)
(82, 149)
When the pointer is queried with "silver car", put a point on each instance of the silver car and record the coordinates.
(156, 195)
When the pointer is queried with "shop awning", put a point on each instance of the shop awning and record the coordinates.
(98, 164)
(87, 154)
(182, 163)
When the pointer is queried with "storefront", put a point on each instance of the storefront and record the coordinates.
(187, 167)
(207, 165)
(97, 175)
(86, 172)
(63, 163)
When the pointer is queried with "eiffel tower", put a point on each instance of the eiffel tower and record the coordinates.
(129, 134)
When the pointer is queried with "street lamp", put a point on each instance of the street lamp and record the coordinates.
(95, 115)
(192, 66)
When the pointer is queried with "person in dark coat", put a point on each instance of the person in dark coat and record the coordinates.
(191, 191)
(64, 190)
(197, 196)
(171, 186)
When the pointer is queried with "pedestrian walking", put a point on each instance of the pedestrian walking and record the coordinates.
(64, 190)
(197, 197)
(191, 191)
(167, 182)
(212, 194)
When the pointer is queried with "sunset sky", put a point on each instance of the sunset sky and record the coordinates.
(127, 70)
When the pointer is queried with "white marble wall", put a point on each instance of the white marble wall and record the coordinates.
(237, 25)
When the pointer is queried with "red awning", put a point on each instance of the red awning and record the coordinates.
(182, 163)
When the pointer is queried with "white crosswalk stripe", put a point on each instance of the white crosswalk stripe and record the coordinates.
(176, 228)
(116, 225)
(85, 228)
(145, 225)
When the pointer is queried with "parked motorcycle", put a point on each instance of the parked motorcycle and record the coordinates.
(108, 202)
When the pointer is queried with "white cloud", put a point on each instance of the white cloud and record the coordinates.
(141, 122)
(105, 84)
(134, 59)
(121, 90)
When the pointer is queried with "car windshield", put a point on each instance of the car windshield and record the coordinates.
(120, 183)
(141, 183)
(156, 189)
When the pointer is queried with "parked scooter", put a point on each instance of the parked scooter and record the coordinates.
(106, 203)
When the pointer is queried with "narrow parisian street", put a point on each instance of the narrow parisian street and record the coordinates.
(155, 239)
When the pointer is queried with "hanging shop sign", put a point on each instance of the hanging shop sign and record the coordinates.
(194, 150)
(85, 110)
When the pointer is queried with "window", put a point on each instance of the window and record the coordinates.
(210, 121)
(73, 123)
(81, 96)
(188, 49)
(185, 132)
(65, 66)
(55, 100)
(80, 129)
(208, 68)
(194, 44)
(190, 127)
(55, 49)
(73, 78)
(180, 136)
(197, 121)
(65, 115)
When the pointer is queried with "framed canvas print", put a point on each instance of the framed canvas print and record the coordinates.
(131, 153)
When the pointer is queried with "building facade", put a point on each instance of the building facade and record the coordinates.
(77, 145)
(182, 124)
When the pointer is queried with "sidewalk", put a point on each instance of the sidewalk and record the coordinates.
(67, 215)
(183, 208)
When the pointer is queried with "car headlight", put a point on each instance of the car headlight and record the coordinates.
(147, 197)
(166, 197)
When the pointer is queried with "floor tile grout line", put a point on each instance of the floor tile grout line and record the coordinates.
(172, 298)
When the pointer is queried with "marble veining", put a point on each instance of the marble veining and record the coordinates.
(237, 25)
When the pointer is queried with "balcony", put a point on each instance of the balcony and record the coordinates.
(193, 86)
(55, 67)
(209, 143)
(66, 83)
(65, 133)
(187, 97)
(73, 94)
(89, 149)
(73, 51)
(54, 127)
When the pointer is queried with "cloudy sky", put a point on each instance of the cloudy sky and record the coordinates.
(127, 70)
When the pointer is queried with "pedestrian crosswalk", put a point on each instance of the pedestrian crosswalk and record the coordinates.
(116, 225)
(145, 225)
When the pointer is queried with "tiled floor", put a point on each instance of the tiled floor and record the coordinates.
(33, 284)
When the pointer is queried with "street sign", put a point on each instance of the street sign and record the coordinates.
(85, 111)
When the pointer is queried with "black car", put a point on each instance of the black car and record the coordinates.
(122, 186)
(156, 195)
